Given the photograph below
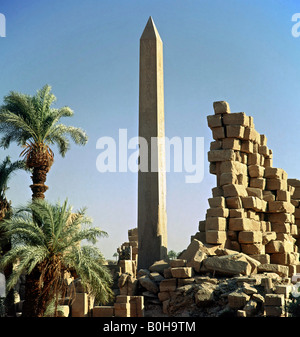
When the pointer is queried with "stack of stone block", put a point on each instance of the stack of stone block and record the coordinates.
(250, 209)
(125, 306)
(131, 246)
(295, 199)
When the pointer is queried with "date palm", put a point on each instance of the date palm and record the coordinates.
(33, 123)
(47, 243)
(7, 168)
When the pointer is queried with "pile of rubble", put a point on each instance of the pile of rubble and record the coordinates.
(207, 281)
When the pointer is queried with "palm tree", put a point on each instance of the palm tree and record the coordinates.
(7, 168)
(33, 123)
(172, 255)
(46, 245)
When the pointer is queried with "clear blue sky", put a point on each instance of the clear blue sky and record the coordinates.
(88, 51)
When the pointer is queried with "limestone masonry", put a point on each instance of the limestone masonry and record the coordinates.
(254, 208)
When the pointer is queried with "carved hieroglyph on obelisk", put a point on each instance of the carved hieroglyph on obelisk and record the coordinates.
(152, 217)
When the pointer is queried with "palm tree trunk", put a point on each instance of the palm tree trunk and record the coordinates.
(38, 177)
(32, 294)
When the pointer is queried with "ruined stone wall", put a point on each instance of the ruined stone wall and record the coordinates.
(252, 209)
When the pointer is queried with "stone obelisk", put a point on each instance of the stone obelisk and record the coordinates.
(152, 217)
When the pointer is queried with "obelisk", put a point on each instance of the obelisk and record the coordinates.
(152, 218)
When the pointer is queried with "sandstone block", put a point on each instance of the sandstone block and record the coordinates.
(256, 171)
(250, 237)
(237, 213)
(217, 212)
(273, 184)
(214, 121)
(254, 192)
(216, 237)
(247, 146)
(205, 295)
(281, 206)
(182, 272)
(235, 131)
(243, 224)
(280, 218)
(278, 269)
(221, 107)
(220, 155)
(216, 145)
(202, 225)
(267, 237)
(193, 248)
(148, 284)
(215, 223)
(178, 263)
(272, 172)
(262, 258)
(237, 118)
(234, 190)
(283, 289)
(283, 196)
(285, 258)
(217, 202)
(237, 300)
(254, 159)
(234, 167)
(196, 261)
(80, 305)
(168, 285)
(281, 228)
(217, 192)
(277, 246)
(234, 202)
(274, 299)
(218, 132)
(228, 178)
(265, 226)
(231, 143)
(258, 183)
(274, 311)
(253, 248)
(103, 311)
(228, 264)
(296, 193)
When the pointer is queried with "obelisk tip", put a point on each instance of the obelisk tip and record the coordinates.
(150, 32)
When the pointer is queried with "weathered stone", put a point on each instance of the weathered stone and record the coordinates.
(159, 266)
(221, 107)
(103, 311)
(177, 263)
(168, 285)
(227, 264)
(274, 299)
(282, 271)
(214, 121)
(216, 237)
(217, 202)
(237, 300)
(205, 294)
(220, 155)
(196, 261)
(234, 190)
(250, 237)
(182, 272)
